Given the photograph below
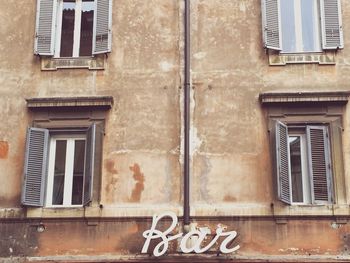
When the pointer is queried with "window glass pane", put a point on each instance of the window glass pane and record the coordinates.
(296, 168)
(309, 18)
(78, 172)
(288, 26)
(87, 20)
(67, 35)
(59, 173)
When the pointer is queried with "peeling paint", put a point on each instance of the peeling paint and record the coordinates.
(110, 166)
(166, 66)
(229, 198)
(199, 55)
(4, 149)
(231, 170)
(139, 186)
(196, 141)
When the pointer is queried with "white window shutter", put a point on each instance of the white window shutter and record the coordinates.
(319, 164)
(45, 27)
(102, 38)
(331, 23)
(271, 24)
(89, 164)
(283, 163)
(35, 167)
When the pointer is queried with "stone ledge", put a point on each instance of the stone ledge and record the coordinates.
(280, 59)
(55, 102)
(189, 258)
(299, 97)
(278, 209)
(91, 63)
(339, 212)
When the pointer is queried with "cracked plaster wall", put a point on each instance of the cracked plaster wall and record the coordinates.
(231, 167)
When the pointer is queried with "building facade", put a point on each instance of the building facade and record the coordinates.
(93, 141)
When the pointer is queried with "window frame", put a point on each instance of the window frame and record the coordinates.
(331, 33)
(72, 115)
(305, 177)
(67, 194)
(299, 41)
(283, 173)
(77, 29)
(46, 37)
(93, 136)
(326, 108)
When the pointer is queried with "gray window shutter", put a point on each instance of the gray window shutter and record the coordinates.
(271, 23)
(35, 167)
(45, 27)
(102, 27)
(283, 163)
(89, 163)
(331, 23)
(319, 164)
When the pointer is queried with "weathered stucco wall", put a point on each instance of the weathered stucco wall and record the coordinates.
(142, 74)
(230, 69)
(231, 171)
(120, 239)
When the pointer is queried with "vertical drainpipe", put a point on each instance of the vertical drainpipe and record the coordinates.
(187, 90)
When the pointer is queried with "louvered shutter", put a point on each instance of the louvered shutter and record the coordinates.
(89, 163)
(283, 163)
(271, 23)
(35, 167)
(331, 23)
(319, 164)
(45, 27)
(102, 27)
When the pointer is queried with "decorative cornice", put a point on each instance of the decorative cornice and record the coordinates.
(302, 97)
(59, 102)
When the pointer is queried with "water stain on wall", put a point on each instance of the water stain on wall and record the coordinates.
(229, 198)
(4, 149)
(139, 186)
(112, 178)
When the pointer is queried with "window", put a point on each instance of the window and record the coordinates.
(300, 26)
(63, 157)
(59, 166)
(66, 165)
(73, 28)
(306, 133)
(304, 171)
(293, 26)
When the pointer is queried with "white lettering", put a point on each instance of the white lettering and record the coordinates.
(154, 234)
(196, 236)
(231, 235)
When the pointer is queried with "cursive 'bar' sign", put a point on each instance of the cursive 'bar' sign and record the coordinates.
(196, 236)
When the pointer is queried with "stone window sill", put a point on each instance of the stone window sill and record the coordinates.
(279, 59)
(91, 63)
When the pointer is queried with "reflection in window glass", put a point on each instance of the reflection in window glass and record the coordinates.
(86, 32)
(60, 167)
(78, 172)
(311, 38)
(296, 169)
(300, 26)
(288, 26)
(67, 34)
